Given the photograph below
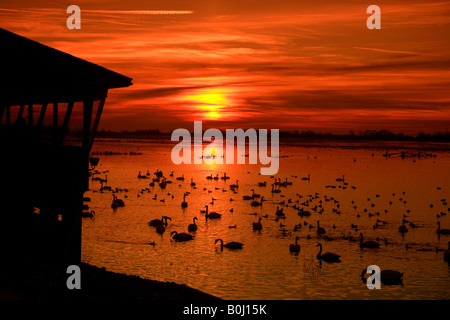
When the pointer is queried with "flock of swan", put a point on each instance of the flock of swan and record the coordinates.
(305, 206)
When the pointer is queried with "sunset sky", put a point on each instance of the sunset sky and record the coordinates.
(287, 64)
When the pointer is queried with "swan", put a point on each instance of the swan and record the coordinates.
(262, 184)
(320, 230)
(184, 204)
(117, 203)
(86, 214)
(294, 247)
(387, 277)
(163, 183)
(229, 245)
(328, 256)
(255, 195)
(442, 231)
(212, 215)
(368, 244)
(255, 203)
(447, 254)
(161, 228)
(210, 177)
(181, 178)
(181, 236)
(341, 179)
(141, 176)
(193, 227)
(235, 186)
(247, 197)
(102, 187)
(224, 176)
(279, 212)
(157, 222)
(257, 225)
(403, 228)
(275, 190)
(308, 178)
(303, 213)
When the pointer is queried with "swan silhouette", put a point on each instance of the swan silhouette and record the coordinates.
(368, 244)
(181, 236)
(255, 203)
(403, 228)
(279, 212)
(275, 190)
(157, 222)
(230, 245)
(447, 254)
(257, 225)
(86, 214)
(441, 231)
(212, 215)
(387, 277)
(320, 230)
(117, 202)
(328, 256)
(294, 247)
(193, 227)
(235, 186)
(184, 204)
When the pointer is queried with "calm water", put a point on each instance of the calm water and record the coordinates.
(264, 268)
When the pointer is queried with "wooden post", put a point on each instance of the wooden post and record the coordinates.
(19, 115)
(41, 116)
(66, 121)
(2, 111)
(8, 115)
(55, 122)
(96, 121)
(30, 115)
(87, 119)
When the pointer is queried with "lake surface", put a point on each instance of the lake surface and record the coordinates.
(265, 269)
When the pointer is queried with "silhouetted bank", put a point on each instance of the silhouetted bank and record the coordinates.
(48, 282)
(296, 135)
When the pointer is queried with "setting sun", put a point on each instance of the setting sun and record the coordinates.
(212, 115)
(214, 102)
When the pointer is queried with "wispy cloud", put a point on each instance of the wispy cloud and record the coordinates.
(389, 51)
(292, 63)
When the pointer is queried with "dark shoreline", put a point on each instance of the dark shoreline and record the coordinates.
(45, 282)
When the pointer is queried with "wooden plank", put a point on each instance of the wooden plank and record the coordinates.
(55, 122)
(42, 115)
(87, 119)
(2, 112)
(96, 121)
(30, 115)
(20, 114)
(66, 121)
(8, 115)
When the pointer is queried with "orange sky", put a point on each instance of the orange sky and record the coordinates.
(261, 64)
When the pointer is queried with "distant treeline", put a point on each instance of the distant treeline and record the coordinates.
(371, 135)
